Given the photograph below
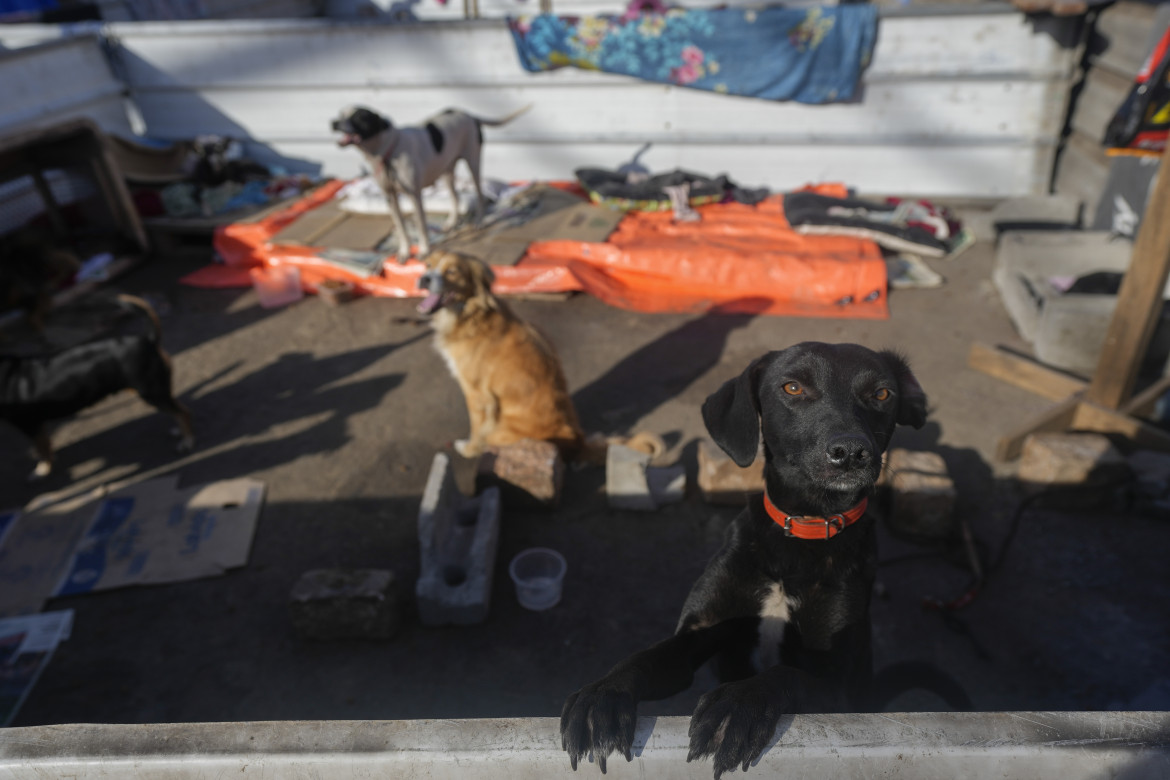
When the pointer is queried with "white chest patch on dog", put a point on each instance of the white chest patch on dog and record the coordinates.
(776, 608)
(450, 361)
(443, 323)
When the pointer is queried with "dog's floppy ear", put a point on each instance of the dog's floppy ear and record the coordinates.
(732, 416)
(481, 273)
(911, 398)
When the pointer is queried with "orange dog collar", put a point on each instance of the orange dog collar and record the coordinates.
(803, 527)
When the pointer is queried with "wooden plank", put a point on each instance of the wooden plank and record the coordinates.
(1143, 403)
(52, 208)
(1023, 372)
(1091, 417)
(311, 225)
(1139, 301)
(120, 266)
(1058, 418)
(357, 231)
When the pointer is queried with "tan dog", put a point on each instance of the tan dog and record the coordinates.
(509, 373)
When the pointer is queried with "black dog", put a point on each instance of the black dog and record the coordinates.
(32, 268)
(783, 607)
(35, 391)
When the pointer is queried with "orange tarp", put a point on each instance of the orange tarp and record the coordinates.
(736, 258)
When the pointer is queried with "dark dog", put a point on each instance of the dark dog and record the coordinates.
(35, 391)
(783, 607)
(404, 160)
(32, 268)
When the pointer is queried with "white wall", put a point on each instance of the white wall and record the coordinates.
(958, 104)
(48, 83)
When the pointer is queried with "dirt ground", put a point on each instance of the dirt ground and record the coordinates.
(340, 411)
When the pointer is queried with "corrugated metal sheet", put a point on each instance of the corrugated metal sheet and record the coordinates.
(957, 104)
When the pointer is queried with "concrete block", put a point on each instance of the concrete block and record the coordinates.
(1038, 212)
(345, 604)
(632, 483)
(1152, 473)
(1066, 331)
(457, 539)
(922, 494)
(721, 481)
(625, 479)
(1088, 459)
(528, 474)
(667, 484)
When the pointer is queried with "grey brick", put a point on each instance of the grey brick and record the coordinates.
(345, 604)
(529, 474)
(457, 538)
(922, 494)
(721, 481)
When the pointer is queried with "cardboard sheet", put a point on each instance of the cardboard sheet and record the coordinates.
(26, 647)
(33, 554)
(147, 533)
(542, 213)
(154, 534)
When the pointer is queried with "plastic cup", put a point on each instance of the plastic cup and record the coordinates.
(538, 573)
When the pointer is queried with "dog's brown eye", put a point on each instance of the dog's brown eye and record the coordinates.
(793, 388)
(883, 394)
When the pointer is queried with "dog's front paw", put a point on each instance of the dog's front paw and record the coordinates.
(467, 448)
(733, 724)
(599, 719)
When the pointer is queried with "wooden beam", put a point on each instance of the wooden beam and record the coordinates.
(1143, 403)
(52, 210)
(1023, 372)
(1058, 418)
(1091, 417)
(1139, 301)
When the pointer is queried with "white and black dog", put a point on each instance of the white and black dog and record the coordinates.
(407, 159)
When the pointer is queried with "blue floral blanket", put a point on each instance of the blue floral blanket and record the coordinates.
(808, 55)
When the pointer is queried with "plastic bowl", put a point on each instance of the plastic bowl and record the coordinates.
(277, 285)
(538, 573)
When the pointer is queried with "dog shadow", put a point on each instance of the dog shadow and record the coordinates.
(660, 370)
(953, 569)
(295, 406)
(967, 468)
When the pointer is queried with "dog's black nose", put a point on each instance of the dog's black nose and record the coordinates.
(848, 451)
(424, 281)
(336, 125)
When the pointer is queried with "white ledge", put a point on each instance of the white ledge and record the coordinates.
(1068, 745)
